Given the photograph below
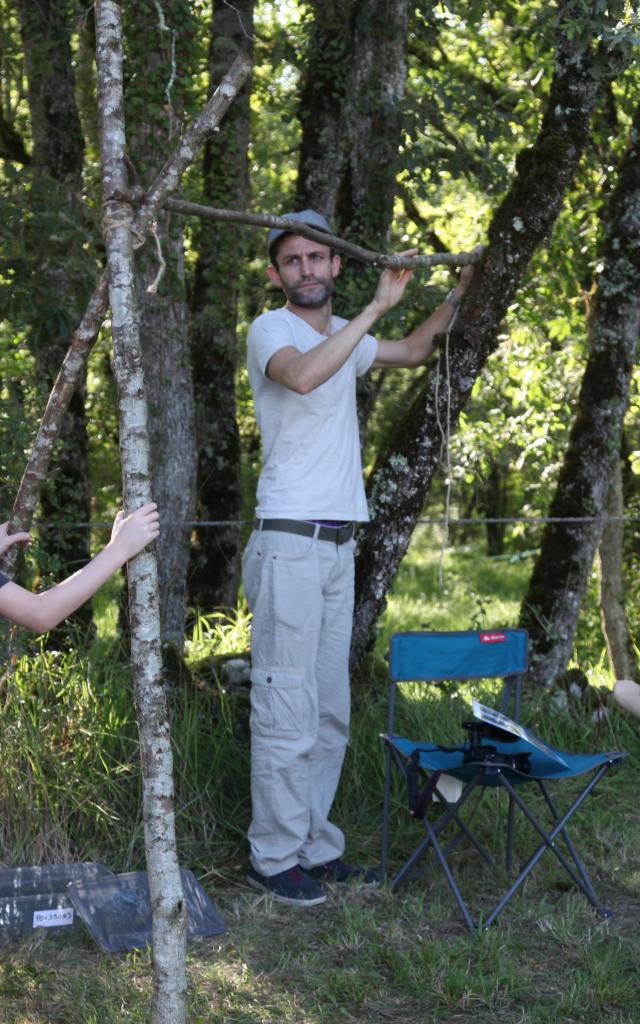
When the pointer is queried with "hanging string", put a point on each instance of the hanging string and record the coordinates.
(153, 287)
(445, 448)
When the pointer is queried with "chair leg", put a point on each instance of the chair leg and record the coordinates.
(385, 815)
(434, 830)
(548, 843)
(560, 829)
(464, 830)
(510, 835)
(571, 848)
(449, 876)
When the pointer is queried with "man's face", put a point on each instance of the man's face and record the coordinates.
(305, 271)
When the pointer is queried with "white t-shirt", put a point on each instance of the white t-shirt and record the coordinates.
(311, 446)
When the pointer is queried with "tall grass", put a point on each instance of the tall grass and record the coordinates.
(70, 785)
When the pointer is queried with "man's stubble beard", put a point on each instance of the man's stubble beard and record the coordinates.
(309, 299)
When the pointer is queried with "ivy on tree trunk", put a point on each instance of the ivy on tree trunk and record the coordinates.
(59, 279)
(351, 116)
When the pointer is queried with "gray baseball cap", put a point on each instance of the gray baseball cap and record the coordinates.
(310, 217)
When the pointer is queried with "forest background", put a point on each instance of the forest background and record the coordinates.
(428, 124)
(438, 125)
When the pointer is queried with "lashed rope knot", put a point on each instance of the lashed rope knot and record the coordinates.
(119, 216)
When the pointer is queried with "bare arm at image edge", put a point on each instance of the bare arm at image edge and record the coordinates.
(41, 612)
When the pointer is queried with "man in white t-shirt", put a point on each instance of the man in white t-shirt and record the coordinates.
(298, 564)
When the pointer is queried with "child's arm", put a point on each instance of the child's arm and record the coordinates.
(627, 694)
(42, 612)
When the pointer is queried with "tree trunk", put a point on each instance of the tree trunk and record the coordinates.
(215, 564)
(552, 604)
(59, 279)
(615, 624)
(75, 361)
(350, 112)
(492, 504)
(58, 146)
(323, 93)
(165, 884)
(158, 67)
(351, 117)
(525, 218)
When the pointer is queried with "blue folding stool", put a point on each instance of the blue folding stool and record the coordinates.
(488, 757)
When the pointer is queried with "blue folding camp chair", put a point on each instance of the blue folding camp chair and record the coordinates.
(490, 756)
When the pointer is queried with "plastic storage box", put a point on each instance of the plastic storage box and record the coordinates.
(36, 897)
(117, 910)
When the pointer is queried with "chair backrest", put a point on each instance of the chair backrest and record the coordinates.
(462, 654)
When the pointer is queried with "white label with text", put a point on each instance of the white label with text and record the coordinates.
(53, 918)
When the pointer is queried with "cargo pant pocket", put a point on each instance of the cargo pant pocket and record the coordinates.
(280, 703)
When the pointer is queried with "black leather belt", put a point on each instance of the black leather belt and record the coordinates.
(337, 534)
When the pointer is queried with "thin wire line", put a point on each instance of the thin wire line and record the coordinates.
(431, 521)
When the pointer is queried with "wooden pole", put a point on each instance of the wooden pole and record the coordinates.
(168, 905)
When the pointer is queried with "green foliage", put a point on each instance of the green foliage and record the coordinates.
(476, 88)
(19, 408)
(70, 787)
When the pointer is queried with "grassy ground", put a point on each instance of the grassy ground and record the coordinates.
(71, 790)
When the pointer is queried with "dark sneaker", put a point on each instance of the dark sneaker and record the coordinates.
(339, 871)
(292, 886)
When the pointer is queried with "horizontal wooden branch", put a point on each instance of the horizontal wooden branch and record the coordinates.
(374, 259)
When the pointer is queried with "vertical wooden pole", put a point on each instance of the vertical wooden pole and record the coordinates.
(165, 884)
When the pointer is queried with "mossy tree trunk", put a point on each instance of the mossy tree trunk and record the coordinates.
(351, 116)
(323, 93)
(557, 586)
(350, 111)
(524, 220)
(160, 62)
(215, 563)
(60, 278)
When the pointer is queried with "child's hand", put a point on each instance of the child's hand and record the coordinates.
(7, 540)
(132, 533)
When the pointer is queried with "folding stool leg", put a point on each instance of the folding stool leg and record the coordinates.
(450, 879)
(441, 823)
(582, 883)
(385, 814)
(569, 843)
(548, 843)
(464, 830)
(510, 835)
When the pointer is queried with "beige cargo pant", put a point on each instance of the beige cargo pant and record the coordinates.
(300, 591)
